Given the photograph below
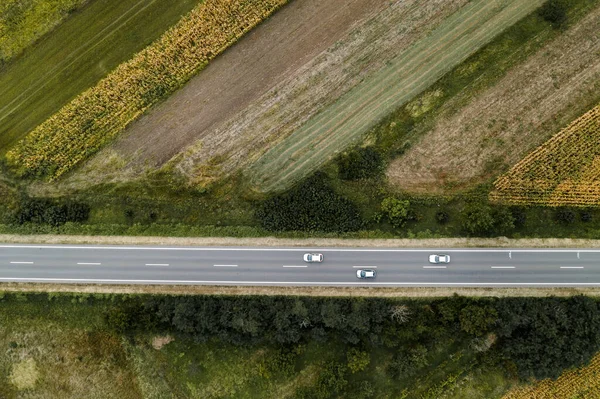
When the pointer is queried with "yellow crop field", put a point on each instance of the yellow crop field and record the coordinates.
(96, 116)
(563, 171)
(581, 383)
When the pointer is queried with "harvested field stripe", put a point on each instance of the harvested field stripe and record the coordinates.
(346, 120)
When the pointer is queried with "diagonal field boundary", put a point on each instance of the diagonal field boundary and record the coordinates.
(344, 122)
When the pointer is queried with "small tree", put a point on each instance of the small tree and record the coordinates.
(397, 211)
(478, 219)
(357, 360)
(555, 12)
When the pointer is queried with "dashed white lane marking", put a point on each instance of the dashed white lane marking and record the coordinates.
(294, 266)
(571, 267)
(157, 264)
(434, 267)
(225, 265)
(22, 263)
(87, 263)
(365, 267)
(502, 267)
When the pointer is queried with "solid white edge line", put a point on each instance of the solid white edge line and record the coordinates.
(157, 264)
(225, 265)
(299, 249)
(365, 267)
(285, 282)
(22, 263)
(293, 266)
(502, 267)
(571, 267)
(84, 263)
(434, 267)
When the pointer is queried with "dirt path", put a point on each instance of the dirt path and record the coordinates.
(500, 126)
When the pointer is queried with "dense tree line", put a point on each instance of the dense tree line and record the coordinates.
(538, 336)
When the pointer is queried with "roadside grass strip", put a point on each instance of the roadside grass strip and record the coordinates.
(96, 116)
(344, 122)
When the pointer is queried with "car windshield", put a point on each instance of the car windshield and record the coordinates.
(362, 273)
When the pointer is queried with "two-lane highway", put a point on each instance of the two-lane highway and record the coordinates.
(284, 266)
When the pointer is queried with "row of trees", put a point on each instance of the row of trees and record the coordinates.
(538, 336)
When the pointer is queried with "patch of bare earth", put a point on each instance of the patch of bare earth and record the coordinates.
(264, 87)
(504, 123)
(159, 342)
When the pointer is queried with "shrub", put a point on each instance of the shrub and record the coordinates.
(357, 360)
(565, 215)
(442, 217)
(478, 220)
(519, 216)
(585, 216)
(360, 163)
(555, 12)
(312, 206)
(397, 211)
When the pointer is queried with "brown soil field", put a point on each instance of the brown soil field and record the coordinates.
(273, 80)
(502, 124)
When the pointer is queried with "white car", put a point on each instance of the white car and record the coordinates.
(311, 258)
(439, 258)
(366, 273)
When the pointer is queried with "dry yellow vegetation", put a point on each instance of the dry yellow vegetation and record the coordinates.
(97, 115)
(581, 383)
(563, 171)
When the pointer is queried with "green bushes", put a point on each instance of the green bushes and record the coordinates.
(555, 12)
(361, 163)
(45, 211)
(397, 211)
(312, 206)
(483, 220)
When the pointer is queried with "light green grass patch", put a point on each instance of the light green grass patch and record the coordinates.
(344, 122)
(24, 374)
(77, 54)
(23, 22)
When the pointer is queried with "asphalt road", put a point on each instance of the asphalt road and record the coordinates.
(284, 266)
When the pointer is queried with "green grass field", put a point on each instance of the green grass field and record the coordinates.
(23, 22)
(344, 122)
(75, 56)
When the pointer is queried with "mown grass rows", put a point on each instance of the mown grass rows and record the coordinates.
(563, 171)
(96, 116)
